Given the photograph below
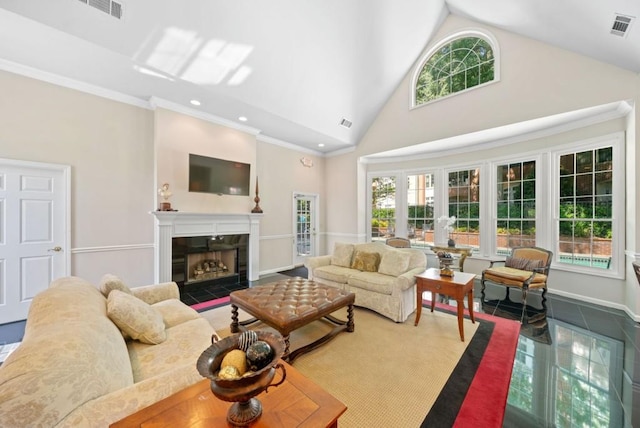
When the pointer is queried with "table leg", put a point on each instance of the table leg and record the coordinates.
(434, 296)
(418, 302)
(460, 302)
(470, 304)
(235, 325)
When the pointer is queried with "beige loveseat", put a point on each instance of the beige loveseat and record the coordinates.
(382, 277)
(74, 366)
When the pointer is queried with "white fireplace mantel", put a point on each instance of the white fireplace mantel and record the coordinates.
(171, 224)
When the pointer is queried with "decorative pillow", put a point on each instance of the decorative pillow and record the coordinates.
(111, 282)
(342, 254)
(364, 261)
(136, 318)
(394, 263)
(522, 264)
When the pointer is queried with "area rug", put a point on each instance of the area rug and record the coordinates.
(397, 374)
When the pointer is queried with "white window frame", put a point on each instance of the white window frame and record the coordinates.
(616, 140)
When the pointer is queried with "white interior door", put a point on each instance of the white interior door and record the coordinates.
(33, 232)
(304, 227)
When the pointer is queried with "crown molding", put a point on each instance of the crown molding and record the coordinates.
(156, 102)
(505, 135)
(276, 142)
(56, 79)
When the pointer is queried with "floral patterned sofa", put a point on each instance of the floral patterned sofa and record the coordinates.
(382, 277)
(93, 355)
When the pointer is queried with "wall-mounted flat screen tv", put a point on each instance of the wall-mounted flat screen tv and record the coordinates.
(220, 176)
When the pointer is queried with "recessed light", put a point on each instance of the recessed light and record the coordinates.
(242, 119)
(321, 145)
(195, 102)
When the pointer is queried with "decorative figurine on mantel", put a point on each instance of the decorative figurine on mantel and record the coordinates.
(257, 208)
(164, 191)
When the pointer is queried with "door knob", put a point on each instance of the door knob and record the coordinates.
(56, 249)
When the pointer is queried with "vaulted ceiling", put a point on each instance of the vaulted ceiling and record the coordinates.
(293, 68)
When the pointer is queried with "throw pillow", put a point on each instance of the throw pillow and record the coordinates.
(342, 254)
(364, 261)
(111, 282)
(394, 263)
(522, 264)
(136, 318)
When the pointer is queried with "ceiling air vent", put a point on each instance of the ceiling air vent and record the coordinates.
(346, 123)
(621, 24)
(107, 6)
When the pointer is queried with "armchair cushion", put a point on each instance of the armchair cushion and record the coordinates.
(365, 261)
(514, 277)
(136, 318)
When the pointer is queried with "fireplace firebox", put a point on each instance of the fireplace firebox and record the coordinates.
(209, 260)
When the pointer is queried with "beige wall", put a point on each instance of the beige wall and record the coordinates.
(537, 80)
(177, 135)
(109, 146)
(281, 174)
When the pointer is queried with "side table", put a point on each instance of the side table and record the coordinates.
(298, 402)
(456, 286)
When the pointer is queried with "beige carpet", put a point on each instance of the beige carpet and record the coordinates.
(387, 374)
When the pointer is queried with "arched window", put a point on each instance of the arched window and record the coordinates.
(458, 63)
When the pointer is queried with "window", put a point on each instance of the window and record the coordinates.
(454, 66)
(585, 207)
(464, 204)
(515, 206)
(383, 207)
(420, 209)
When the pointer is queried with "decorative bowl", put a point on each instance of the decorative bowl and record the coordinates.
(246, 409)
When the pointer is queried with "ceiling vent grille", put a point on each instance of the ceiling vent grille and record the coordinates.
(346, 123)
(621, 24)
(107, 6)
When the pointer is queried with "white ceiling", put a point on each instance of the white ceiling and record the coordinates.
(294, 68)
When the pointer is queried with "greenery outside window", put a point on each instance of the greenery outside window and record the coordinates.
(515, 206)
(585, 208)
(383, 207)
(455, 66)
(420, 209)
(464, 204)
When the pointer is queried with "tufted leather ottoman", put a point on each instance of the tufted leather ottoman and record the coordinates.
(290, 304)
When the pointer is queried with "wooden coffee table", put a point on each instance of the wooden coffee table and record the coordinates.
(298, 402)
(290, 304)
(456, 286)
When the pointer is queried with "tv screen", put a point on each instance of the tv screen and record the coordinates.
(223, 177)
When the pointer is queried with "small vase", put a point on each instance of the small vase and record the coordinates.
(451, 243)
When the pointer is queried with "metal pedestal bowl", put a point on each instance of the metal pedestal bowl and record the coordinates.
(242, 391)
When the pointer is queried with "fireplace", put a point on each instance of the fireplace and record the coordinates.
(202, 228)
(209, 260)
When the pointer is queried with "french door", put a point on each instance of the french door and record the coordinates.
(305, 225)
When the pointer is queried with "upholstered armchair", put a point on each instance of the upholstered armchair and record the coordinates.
(398, 242)
(526, 268)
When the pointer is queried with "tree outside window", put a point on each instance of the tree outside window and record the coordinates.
(516, 206)
(383, 210)
(586, 208)
(456, 66)
(464, 204)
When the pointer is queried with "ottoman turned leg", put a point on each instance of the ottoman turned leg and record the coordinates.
(350, 324)
(285, 355)
(235, 325)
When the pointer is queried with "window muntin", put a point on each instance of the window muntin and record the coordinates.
(585, 208)
(515, 205)
(456, 66)
(420, 209)
(464, 203)
(383, 207)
